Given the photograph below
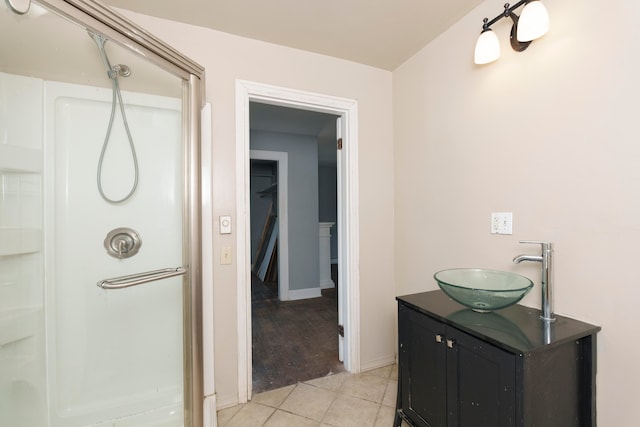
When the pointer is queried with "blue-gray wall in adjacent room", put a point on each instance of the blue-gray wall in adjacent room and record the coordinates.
(328, 202)
(303, 202)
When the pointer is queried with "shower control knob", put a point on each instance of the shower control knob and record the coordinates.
(122, 243)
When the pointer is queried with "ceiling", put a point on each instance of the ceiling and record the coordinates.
(272, 118)
(380, 33)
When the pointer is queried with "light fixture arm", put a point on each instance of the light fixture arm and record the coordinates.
(505, 14)
(516, 45)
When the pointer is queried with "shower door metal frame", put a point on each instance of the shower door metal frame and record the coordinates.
(102, 20)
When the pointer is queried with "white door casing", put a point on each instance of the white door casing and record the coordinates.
(348, 218)
(342, 294)
(210, 403)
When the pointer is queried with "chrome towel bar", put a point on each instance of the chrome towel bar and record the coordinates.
(140, 278)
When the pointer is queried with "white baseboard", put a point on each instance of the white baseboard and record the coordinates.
(210, 415)
(378, 363)
(224, 402)
(296, 294)
(327, 284)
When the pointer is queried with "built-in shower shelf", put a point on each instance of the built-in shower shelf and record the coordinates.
(19, 241)
(19, 332)
(17, 325)
(20, 160)
(15, 367)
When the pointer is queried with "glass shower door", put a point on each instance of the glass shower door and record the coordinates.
(95, 320)
(115, 352)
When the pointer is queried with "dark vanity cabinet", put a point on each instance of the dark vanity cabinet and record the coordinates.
(507, 368)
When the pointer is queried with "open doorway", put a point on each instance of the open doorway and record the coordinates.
(347, 227)
(294, 299)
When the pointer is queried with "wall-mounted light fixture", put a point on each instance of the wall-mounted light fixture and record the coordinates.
(532, 23)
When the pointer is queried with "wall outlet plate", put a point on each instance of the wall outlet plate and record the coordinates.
(501, 223)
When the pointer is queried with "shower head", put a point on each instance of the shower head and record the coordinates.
(112, 71)
(100, 41)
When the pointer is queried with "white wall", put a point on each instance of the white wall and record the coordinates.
(227, 58)
(550, 134)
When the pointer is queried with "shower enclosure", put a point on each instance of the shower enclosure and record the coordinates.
(100, 269)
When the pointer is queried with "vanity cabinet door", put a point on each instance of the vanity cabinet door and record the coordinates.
(506, 370)
(451, 379)
(481, 383)
(422, 362)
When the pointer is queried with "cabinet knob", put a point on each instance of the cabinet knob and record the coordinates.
(450, 343)
(439, 338)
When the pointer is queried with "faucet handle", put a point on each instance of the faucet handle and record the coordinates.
(546, 246)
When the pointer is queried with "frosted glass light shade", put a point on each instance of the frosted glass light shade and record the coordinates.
(20, 7)
(533, 22)
(487, 48)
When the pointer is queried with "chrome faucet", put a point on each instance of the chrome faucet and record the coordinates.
(546, 259)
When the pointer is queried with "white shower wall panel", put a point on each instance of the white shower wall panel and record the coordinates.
(20, 111)
(21, 214)
(118, 352)
(20, 238)
(22, 356)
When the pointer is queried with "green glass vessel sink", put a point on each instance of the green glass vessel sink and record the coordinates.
(483, 290)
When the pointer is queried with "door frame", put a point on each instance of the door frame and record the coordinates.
(348, 216)
(281, 159)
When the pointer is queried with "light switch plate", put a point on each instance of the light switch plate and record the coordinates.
(225, 255)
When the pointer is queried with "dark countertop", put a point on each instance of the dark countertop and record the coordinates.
(517, 329)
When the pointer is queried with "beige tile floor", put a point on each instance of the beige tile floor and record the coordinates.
(340, 400)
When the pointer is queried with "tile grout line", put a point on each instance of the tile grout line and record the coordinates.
(277, 408)
(326, 411)
(384, 393)
(306, 418)
(340, 391)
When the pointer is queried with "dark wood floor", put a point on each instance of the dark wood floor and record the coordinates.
(293, 341)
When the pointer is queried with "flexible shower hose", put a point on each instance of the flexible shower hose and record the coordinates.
(117, 97)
